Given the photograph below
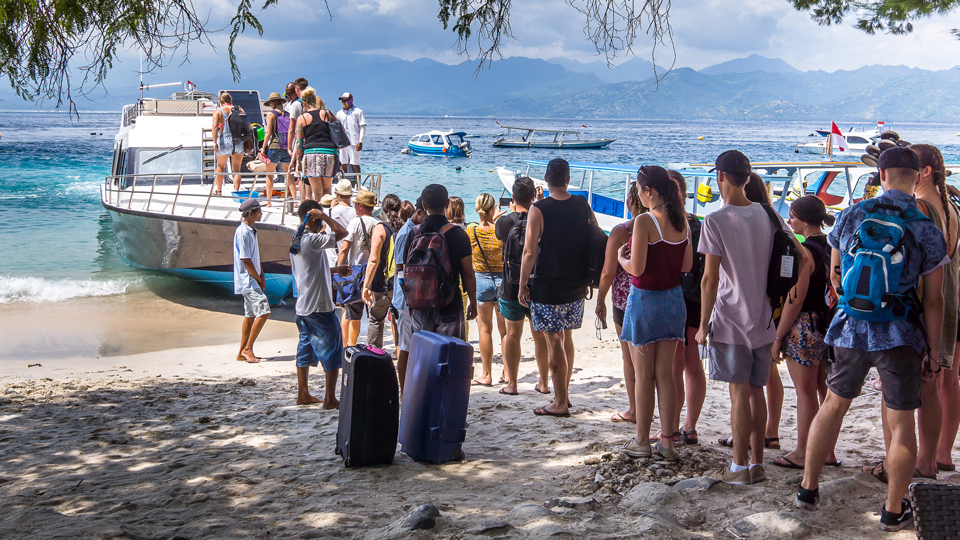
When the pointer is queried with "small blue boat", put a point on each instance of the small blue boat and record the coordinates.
(440, 143)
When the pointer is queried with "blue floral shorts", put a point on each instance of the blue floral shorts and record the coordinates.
(556, 317)
(804, 343)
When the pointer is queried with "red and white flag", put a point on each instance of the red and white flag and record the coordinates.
(839, 140)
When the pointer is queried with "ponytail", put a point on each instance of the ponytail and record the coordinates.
(657, 179)
(930, 156)
(391, 210)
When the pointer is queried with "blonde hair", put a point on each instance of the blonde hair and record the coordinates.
(311, 98)
(226, 98)
(485, 203)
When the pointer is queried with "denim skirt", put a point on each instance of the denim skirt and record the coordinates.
(653, 316)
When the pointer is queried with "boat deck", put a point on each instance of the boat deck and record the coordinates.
(169, 196)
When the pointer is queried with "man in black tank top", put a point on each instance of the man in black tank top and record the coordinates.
(553, 276)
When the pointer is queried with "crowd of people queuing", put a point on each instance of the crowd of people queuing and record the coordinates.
(676, 283)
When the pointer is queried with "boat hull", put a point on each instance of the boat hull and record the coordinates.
(198, 249)
(452, 151)
(603, 143)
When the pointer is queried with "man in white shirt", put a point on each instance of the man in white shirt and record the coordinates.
(355, 124)
(248, 280)
(320, 334)
(342, 208)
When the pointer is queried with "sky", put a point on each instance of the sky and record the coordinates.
(705, 32)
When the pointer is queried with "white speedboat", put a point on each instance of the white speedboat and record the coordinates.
(440, 143)
(857, 141)
(161, 202)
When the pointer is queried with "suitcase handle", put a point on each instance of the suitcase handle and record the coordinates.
(443, 370)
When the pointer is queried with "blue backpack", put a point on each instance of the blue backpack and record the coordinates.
(872, 265)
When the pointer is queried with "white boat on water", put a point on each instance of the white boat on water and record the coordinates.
(161, 202)
(857, 141)
(440, 144)
(524, 137)
(837, 183)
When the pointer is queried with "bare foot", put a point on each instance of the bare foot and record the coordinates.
(510, 389)
(624, 417)
(240, 357)
(482, 381)
(249, 357)
(333, 404)
(308, 400)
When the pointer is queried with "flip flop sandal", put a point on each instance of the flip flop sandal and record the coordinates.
(619, 418)
(918, 474)
(504, 392)
(539, 391)
(832, 463)
(501, 381)
(686, 439)
(728, 442)
(783, 461)
(877, 471)
(542, 411)
(475, 382)
(946, 467)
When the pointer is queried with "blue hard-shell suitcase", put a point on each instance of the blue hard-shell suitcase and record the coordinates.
(369, 408)
(436, 393)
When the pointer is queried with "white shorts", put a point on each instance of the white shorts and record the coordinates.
(350, 155)
(405, 329)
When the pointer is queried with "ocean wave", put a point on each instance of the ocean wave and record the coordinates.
(36, 289)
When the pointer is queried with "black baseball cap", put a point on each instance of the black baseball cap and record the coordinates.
(899, 157)
(434, 197)
(733, 162)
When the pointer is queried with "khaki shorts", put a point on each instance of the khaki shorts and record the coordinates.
(900, 372)
(255, 304)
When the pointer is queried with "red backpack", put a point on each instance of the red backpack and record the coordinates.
(428, 280)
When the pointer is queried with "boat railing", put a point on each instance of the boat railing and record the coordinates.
(142, 192)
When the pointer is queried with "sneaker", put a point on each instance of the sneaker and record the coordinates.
(757, 474)
(808, 499)
(667, 454)
(724, 474)
(637, 451)
(894, 522)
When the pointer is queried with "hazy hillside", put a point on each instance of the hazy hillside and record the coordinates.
(752, 63)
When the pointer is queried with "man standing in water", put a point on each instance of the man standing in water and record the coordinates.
(248, 279)
(320, 335)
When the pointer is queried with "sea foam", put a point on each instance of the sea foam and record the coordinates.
(36, 289)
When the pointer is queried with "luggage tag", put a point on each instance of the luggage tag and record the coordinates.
(786, 266)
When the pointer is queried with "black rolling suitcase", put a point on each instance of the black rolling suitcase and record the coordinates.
(369, 408)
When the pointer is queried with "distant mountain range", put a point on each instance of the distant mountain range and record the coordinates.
(748, 88)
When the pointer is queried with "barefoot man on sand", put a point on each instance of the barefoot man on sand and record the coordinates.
(248, 279)
(320, 338)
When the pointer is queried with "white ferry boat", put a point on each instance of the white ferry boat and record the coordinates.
(160, 195)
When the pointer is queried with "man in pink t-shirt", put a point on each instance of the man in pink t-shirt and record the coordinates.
(736, 316)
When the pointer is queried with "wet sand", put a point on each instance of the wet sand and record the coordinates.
(164, 435)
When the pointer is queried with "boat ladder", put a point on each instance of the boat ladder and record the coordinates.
(208, 155)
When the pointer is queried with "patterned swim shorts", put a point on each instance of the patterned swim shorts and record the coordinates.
(804, 343)
(316, 165)
(556, 317)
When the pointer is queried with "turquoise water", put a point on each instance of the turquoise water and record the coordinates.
(56, 242)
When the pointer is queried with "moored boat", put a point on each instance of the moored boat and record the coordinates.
(160, 196)
(440, 143)
(523, 137)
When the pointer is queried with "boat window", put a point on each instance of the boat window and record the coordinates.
(456, 139)
(438, 139)
(854, 139)
(171, 165)
(861, 185)
(813, 180)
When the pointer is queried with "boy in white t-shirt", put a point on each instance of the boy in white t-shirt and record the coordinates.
(736, 315)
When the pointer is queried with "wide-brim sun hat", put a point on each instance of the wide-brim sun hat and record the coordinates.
(365, 198)
(274, 96)
(344, 187)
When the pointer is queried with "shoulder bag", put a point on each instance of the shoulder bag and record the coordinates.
(338, 135)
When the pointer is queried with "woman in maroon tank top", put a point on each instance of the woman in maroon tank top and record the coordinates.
(655, 316)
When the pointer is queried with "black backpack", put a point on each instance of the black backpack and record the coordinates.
(690, 281)
(240, 128)
(784, 269)
(596, 255)
(513, 250)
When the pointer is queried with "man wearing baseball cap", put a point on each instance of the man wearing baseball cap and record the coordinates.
(903, 348)
(249, 280)
(355, 124)
(735, 312)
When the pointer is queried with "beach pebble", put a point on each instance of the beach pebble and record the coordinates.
(422, 517)
(530, 511)
(586, 503)
(646, 495)
(492, 527)
(771, 525)
(246, 382)
(665, 472)
(592, 460)
(701, 483)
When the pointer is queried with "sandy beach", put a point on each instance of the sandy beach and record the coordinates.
(163, 434)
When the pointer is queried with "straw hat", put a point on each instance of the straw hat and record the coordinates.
(326, 201)
(274, 96)
(366, 198)
(344, 187)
